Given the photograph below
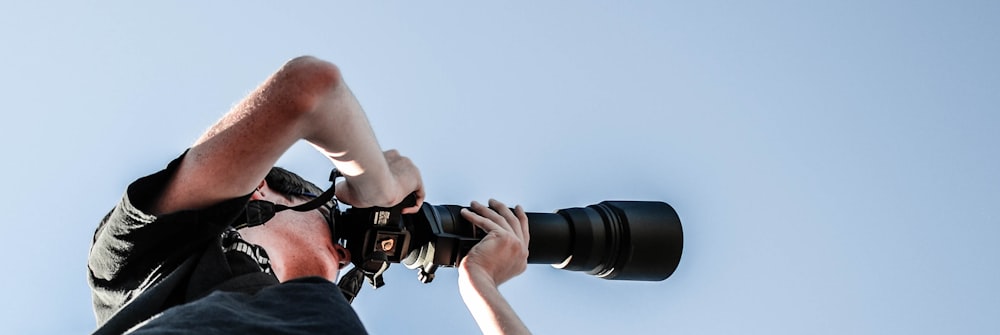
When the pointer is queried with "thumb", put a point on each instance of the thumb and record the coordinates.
(343, 193)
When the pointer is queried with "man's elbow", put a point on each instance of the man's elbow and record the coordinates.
(306, 80)
(314, 67)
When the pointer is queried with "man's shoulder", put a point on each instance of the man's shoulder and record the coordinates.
(133, 251)
(302, 306)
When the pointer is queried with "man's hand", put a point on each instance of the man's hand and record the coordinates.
(498, 257)
(503, 253)
(406, 180)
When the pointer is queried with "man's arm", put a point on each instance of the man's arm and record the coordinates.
(306, 99)
(498, 257)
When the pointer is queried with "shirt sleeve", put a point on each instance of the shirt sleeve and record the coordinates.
(132, 249)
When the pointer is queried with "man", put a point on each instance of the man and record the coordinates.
(167, 260)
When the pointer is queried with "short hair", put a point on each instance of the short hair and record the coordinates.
(290, 184)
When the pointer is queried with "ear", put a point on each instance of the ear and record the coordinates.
(258, 194)
(343, 255)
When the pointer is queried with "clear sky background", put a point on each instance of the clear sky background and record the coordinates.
(834, 164)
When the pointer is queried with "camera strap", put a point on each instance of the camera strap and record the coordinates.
(258, 212)
(350, 284)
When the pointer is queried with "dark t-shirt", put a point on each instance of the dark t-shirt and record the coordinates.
(188, 272)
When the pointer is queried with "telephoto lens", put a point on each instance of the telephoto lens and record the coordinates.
(619, 240)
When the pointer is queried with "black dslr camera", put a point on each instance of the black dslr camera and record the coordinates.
(620, 240)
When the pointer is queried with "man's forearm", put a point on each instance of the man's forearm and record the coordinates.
(490, 309)
(305, 99)
(340, 130)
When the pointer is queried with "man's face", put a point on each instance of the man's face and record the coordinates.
(299, 243)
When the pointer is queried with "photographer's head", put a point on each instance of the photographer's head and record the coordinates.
(291, 185)
(299, 244)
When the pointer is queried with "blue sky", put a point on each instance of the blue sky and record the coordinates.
(834, 164)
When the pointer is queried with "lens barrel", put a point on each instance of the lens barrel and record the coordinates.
(619, 240)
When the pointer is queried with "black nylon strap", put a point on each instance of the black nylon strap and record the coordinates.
(260, 211)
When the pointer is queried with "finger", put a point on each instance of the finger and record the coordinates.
(409, 176)
(508, 216)
(491, 214)
(476, 219)
(421, 194)
(522, 218)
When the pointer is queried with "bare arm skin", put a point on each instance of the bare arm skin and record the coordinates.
(308, 99)
(500, 256)
(305, 99)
